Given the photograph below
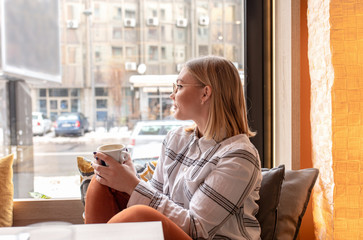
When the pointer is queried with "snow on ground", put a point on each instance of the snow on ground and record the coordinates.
(100, 133)
(58, 187)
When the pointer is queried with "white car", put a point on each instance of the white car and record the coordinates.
(41, 123)
(147, 138)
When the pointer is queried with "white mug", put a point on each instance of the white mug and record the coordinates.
(116, 151)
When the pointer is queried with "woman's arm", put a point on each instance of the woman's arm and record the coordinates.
(212, 202)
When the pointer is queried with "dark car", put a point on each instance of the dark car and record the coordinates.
(71, 124)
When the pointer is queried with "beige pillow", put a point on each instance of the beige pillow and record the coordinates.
(295, 194)
(6, 191)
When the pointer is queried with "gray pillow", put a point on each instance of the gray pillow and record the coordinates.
(295, 194)
(269, 200)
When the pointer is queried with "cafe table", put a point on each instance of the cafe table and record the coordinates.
(129, 231)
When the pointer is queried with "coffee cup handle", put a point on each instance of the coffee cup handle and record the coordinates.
(123, 156)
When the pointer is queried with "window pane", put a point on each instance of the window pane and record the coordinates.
(101, 92)
(111, 65)
(101, 103)
(58, 92)
(75, 92)
(101, 116)
(53, 104)
(42, 92)
(75, 105)
(43, 106)
(64, 105)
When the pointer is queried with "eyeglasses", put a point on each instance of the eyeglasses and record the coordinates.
(176, 87)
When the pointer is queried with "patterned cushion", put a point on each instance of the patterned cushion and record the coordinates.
(6, 191)
(146, 171)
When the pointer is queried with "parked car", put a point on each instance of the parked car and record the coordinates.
(147, 137)
(74, 123)
(41, 123)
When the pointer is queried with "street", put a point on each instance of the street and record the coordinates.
(57, 156)
(55, 160)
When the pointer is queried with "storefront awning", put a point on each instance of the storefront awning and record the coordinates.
(153, 80)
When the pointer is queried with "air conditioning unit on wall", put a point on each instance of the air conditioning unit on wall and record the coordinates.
(129, 22)
(181, 22)
(153, 21)
(130, 66)
(204, 21)
(72, 24)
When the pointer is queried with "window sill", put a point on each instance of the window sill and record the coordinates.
(29, 211)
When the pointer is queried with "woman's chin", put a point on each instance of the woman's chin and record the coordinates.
(178, 115)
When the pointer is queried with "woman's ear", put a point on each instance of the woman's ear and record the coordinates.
(207, 91)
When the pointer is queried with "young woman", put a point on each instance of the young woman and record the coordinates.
(207, 179)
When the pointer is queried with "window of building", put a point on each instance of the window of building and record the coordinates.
(43, 106)
(130, 36)
(42, 92)
(98, 54)
(117, 52)
(203, 50)
(101, 103)
(117, 13)
(130, 13)
(58, 92)
(153, 34)
(53, 104)
(117, 33)
(75, 106)
(153, 53)
(99, 92)
(75, 92)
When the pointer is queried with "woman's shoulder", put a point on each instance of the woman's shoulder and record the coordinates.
(239, 143)
(180, 132)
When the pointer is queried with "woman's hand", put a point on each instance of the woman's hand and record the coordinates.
(121, 177)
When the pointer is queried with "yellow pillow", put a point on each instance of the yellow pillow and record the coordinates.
(86, 171)
(6, 191)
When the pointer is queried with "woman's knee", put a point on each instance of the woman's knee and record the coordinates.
(137, 213)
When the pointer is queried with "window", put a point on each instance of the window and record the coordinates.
(42, 92)
(100, 87)
(153, 53)
(117, 13)
(117, 33)
(101, 103)
(101, 92)
(58, 92)
(117, 52)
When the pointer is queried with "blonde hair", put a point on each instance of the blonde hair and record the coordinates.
(227, 115)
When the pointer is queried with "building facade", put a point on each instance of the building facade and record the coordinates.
(108, 43)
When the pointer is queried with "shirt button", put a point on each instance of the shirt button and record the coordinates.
(185, 169)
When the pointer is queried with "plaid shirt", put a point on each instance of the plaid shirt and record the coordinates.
(208, 189)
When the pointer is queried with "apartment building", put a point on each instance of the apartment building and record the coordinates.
(119, 58)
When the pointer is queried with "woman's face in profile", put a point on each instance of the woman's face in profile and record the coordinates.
(187, 97)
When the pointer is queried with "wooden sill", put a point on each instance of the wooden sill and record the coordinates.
(29, 211)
